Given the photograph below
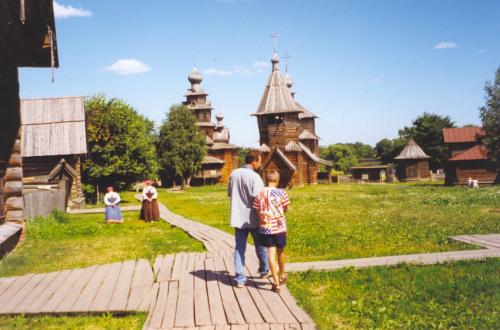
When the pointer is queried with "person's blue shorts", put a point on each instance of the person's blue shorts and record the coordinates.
(277, 240)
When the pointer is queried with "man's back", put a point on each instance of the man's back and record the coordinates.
(244, 185)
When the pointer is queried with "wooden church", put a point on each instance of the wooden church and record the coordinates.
(288, 140)
(221, 157)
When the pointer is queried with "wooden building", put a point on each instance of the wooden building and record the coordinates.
(53, 139)
(412, 163)
(468, 158)
(221, 158)
(288, 140)
(372, 173)
(28, 39)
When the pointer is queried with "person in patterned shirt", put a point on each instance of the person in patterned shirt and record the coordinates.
(271, 204)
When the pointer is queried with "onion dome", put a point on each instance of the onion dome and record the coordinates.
(219, 116)
(275, 60)
(195, 76)
(288, 80)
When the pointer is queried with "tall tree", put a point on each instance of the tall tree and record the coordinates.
(121, 144)
(427, 131)
(490, 118)
(181, 145)
(362, 150)
(387, 149)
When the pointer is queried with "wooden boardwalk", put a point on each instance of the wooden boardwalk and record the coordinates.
(490, 241)
(116, 288)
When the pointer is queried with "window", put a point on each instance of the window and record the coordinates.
(278, 119)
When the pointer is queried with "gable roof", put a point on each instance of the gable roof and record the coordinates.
(53, 127)
(461, 135)
(282, 156)
(276, 98)
(305, 113)
(412, 151)
(478, 152)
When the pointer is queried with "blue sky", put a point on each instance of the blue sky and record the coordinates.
(366, 68)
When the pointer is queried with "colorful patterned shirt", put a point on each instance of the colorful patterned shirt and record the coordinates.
(271, 204)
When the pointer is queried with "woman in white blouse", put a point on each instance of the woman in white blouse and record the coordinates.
(150, 211)
(112, 211)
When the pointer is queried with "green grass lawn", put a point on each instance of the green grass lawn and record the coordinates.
(328, 222)
(127, 199)
(460, 295)
(106, 322)
(69, 241)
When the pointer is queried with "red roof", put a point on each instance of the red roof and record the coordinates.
(464, 134)
(478, 152)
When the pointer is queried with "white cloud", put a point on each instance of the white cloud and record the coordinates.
(243, 70)
(445, 45)
(128, 66)
(66, 11)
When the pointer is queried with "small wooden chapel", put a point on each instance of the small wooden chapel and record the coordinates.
(288, 140)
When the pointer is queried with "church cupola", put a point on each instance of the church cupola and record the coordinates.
(195, 78)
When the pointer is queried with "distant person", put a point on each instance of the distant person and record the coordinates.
(475, 184)
(112, 211)
(271, 204)
(469, 182)
(149, 211)
(244, 185)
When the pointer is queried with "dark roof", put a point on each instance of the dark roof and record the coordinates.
(461, 135)
(478, 152)
(412, 151)
(27, 44)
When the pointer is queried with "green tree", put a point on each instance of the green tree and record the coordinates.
(342, 156)
(121, 144)
(181, 145)
(490, 118)
(387, 149)
(427, 131)
(362, 150)
(242, 152)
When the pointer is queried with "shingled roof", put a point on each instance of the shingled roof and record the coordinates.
(412, 151)
(277, 98)
(53, 127)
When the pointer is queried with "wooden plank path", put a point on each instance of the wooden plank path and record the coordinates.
(196, 290)
(97, 289)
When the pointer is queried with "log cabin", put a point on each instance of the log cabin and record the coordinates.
(28, 39)
(468, 158)
(412, 163)
(288, 140)
(221, 158)
(53, 140)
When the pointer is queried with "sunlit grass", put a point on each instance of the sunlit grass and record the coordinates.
(328, 222)
(68, 241)
(460, 295)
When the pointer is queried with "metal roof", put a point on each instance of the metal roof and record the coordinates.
(53, 126)
(412, 151)
(461, 135)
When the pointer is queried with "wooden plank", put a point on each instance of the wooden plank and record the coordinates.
(17, 285)
(45, 296)
(184, 316)
(201, 306)
(76, 290)
(10, 304)
(276, 305)
(229, 301)
(214, 298)
(160, 305)
(36, 292)
(166, 267)
(122, 289)
(486, 240)
(6, 283)
(153, 297)
(142, 282)
(66, 287)
(82, 304)
(248, 305)
(171, 307)
(176, 268)
(298, 312)
(104, 293)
